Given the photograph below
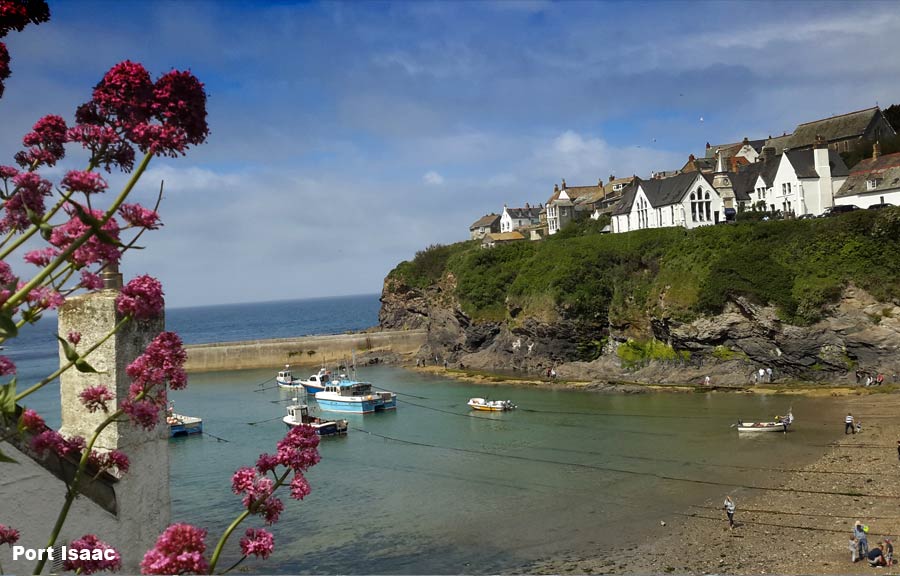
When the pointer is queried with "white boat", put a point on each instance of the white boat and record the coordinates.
(315, 383)
(779, 424)
(490, 405)
(298, 415)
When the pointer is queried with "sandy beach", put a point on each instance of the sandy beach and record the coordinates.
(802, 525)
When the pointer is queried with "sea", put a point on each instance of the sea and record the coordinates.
(434, 488)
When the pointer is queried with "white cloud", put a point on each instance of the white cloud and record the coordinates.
(432, 178)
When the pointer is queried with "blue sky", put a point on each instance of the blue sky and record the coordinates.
(347, 136)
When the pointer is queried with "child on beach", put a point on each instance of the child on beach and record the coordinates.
(854, 550)
(729, 511)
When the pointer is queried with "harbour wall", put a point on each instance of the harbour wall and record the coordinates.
(304, 350)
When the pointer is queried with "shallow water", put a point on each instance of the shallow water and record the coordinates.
(435, 488)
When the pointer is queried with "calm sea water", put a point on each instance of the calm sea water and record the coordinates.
(433, 488)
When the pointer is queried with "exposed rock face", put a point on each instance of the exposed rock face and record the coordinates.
(858, 333)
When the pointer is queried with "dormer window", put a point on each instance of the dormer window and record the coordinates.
(872, 183)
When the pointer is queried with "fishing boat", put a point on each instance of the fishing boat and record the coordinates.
(352, 396)
(490, 405)
(298, 415)
(779, 424)
(181, 425)
(315, 383)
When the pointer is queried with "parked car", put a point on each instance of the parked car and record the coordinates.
(806, 216)
(838, 210)
(880, 206)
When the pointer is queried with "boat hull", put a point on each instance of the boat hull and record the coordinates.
(483, 405)
(764, 427)
(328, 428)
(184, 426)
(354, 406)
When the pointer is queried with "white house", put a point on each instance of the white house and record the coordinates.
(513, 218)
(687, 200)
(872, 182)
(807, 180)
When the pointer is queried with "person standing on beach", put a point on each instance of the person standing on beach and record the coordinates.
(848, 424)
(729, 511)
(862, 539)
(898, 449)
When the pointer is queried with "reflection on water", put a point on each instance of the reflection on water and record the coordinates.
(436, 488)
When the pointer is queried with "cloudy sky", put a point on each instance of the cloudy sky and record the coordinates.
(347, 136)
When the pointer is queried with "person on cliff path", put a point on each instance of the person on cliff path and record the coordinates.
(848, 424)
(729, 511)
(769, 374)
(862, 539)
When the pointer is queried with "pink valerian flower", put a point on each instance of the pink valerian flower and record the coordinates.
(178, 550)
(6, 274)
(4, 66)
(243, 480)
(257, 491)
(8, 535)
(103, 461)
(17, 15)
(30, 191)
(140, 217)
(45, 297)
(162, 360)
(95, 398)
(94, 249)
(7, 172)
(41, 257)
(257, 542)
(31, 421)
(270, 509)
(74, 337)
(297, 450)
(125, 95)
(96, 561)
(266, 463)
(46, 141)
(72, 446)
(142, 298)
(179, 105)
(144, 413)
(300, 487)
(107, 148)
(47, 440)
(91, 281)
(81, 181)
(7, 366)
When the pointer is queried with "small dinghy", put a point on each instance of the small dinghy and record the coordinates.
(779, 424)
(490, 405)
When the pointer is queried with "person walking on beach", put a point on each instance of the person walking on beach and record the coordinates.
(729, 511)
(862, 539)
(848, 424)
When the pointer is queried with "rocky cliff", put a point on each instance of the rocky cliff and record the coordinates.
(857, 333)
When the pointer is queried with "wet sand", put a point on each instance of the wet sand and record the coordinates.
(801, 527)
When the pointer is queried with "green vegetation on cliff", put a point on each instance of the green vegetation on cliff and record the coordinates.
(798, 266)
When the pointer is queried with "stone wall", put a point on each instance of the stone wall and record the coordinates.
(309, 350)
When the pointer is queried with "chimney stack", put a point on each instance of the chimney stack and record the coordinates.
(563, 183)
(876, 150)
(611, 177)
(820, 142)
(746, 141)
(691, 158)
(768, 153)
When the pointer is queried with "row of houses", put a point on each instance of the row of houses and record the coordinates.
(798, 175)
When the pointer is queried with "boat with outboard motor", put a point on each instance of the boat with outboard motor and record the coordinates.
(315, 383)
(346, 395)
(485, 405)
(298, 415)
(779, 424)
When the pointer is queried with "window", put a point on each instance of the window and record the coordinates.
(642, 214)
(872, 183)
(693, 207)
(708, 208)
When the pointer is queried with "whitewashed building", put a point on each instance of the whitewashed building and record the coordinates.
(688, 200)
(514, 218)
(806, 181)
(872, 182)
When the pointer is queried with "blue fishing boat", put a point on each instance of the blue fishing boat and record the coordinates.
(352, 396)
(315, 383)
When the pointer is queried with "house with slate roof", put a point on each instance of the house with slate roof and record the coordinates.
(513, 218)
(484, 225)
(872, 182)
(807, 180)
(687, 200)
(491, 240)
(567, 202)
(841, 132)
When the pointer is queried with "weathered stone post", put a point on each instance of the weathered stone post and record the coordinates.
(142, 494)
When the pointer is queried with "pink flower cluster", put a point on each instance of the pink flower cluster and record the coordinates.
(258, 494)
(103, 461)
(46, 143)
(15, 15)
(31, 421)
(96, 249)
(140, 217)
(90, 543)
(55, 442)
(95, 398)
(7, 366)
(8, 535)
(85, 182)
(178, 550)
(142, 298)
(41, 257)
(162, 361)
(257, 542)
(30, 191)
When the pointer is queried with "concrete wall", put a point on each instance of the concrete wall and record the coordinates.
(309, 350)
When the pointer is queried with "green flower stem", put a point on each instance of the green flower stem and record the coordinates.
(17, 298)
(68, 365)
(72, 492)
(231, 528)
(233, 566)
(31, 230)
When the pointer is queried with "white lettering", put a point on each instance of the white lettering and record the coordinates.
(109, 554)
(18, 551)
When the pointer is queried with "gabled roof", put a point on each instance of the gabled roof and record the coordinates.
(504, 236)
(486, 221)
(885, 170)
(841, 127)
(532, 212)
(779, 142)
(804, 163)
(729, 150)
(624, 205)
(665, 191)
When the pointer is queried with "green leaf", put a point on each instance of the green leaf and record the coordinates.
(5, 458)
(95, 226)
(68, 350)
(82, 366)
(46, 230)
(8, 398)
(8, 328)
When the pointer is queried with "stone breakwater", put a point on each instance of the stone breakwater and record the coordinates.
(387, 345)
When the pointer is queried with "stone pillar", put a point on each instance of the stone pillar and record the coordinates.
(142, 494)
